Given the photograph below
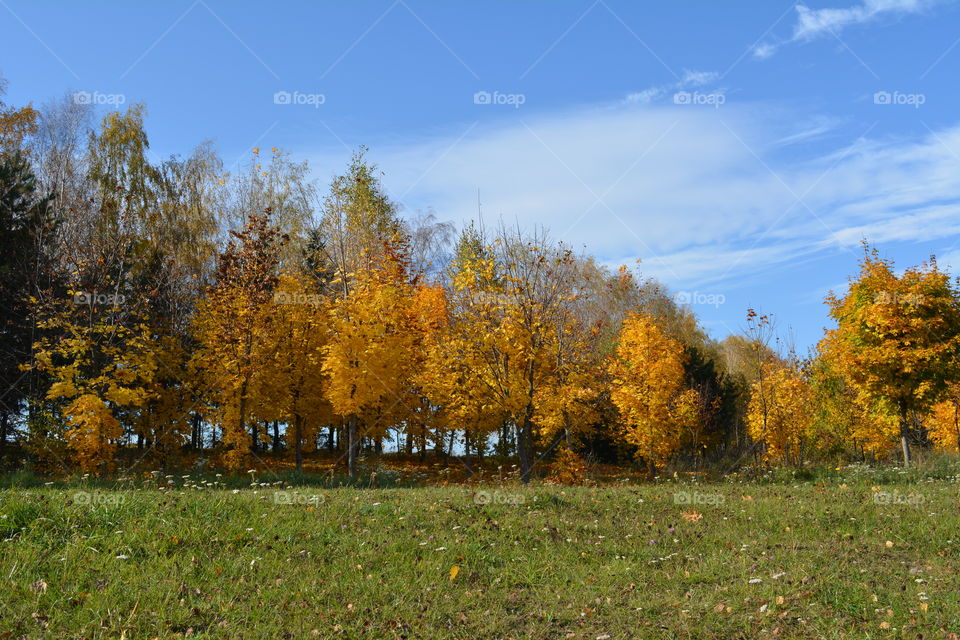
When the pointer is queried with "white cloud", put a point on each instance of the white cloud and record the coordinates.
(646, 96)
(950, 259)
(700, 195)
(689, 80)
(815, 23)
(812, 23)
(764, 50)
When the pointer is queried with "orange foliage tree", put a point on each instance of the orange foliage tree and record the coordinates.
(228, 325)
(649, 389)
(897, 337)
(290, 354)
(780, 413)
(370, 356)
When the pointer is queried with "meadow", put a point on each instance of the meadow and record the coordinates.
(856, 552)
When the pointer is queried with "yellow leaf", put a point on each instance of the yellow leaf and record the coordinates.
(454, 570)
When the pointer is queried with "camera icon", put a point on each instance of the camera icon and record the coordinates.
(282, 497)
(82, 97)
(682, 97)
(481, 497)
(681, 497)
(881, 97)
(82, 497)
(82, 298)
(282, 97)
(682, 297)
(482, 97)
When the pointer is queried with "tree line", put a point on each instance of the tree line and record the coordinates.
(175, 308)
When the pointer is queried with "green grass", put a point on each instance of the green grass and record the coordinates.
(773, 558)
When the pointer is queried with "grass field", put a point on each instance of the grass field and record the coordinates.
(856, 554)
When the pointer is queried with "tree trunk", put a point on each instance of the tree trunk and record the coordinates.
(4, 427)
(352, 442)
(196, 441)
(243, 412)
(276, 436)
(956, 422)
(904, 435)
(525, 448)
(525, 436)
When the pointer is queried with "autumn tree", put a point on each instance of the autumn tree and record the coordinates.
(781, 412)
(358, 223)
(290, 356)
(16, 124)
(512, 299)
(96, 342)
(102, 364)
(846, 422)
(897, 336)
(370, 353)
(228, 324)
(648, 388)
(452, 399)
(943, 421)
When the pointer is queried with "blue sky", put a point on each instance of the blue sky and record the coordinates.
(740, 150)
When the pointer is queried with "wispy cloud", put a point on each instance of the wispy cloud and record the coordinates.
(816, 23)
(700, 195)
(689, 80)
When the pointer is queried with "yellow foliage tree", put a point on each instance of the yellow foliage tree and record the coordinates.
(943, 422)
(648, 387)
(780, 412)
(370, 355)
(507, 350)
(290, 354)
(228, 325)
(847, 420)
(897, 337)
(100, 367)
